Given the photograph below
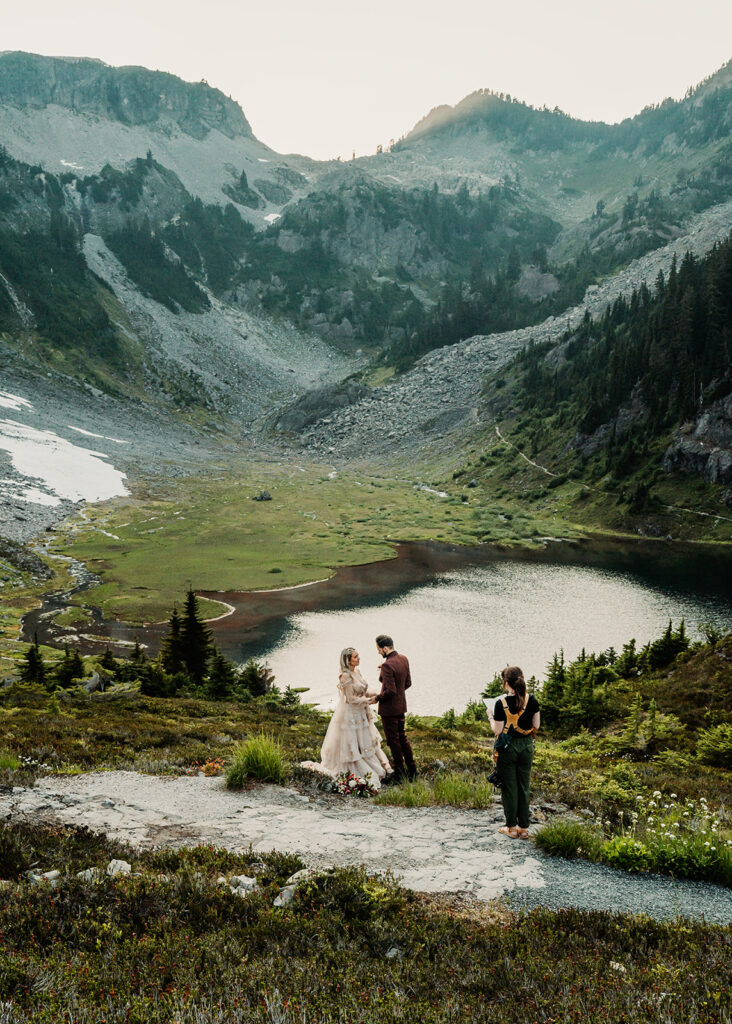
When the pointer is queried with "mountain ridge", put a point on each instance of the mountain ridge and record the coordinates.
(129, 94)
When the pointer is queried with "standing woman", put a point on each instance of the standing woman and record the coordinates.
(517, 715)
(352, 742)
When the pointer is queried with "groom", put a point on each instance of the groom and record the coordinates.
(395, 679)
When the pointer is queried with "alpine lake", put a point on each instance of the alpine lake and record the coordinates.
(462, 614)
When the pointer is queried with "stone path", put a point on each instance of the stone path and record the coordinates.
(435, 849)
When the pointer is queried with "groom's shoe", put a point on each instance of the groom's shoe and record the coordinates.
(412, 775)
(392, 779)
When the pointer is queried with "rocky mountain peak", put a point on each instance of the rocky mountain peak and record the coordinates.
(128, 95)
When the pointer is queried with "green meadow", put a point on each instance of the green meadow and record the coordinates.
(209, 532)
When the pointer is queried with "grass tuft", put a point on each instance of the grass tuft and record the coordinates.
(569, 839)
(260, 758)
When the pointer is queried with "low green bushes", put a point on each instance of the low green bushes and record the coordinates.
(168, 944)
(714, 746)
(569, 839)
(260, 758)
(680, 838)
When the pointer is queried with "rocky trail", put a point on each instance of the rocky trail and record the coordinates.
(434, 850)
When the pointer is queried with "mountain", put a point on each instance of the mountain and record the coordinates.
(128, 95)
(77, 116)
(153, 249)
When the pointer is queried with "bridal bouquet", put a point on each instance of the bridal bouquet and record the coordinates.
(351, 785)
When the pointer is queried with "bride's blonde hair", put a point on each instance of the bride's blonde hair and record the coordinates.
(346, 659)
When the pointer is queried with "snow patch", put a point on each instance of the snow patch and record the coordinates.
(68, 471)
(34, 495)
(102, 437)
(8, 401)
(272, 217)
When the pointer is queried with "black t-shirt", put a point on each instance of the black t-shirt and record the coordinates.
(526, 716)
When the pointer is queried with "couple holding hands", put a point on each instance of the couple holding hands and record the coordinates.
(352, 742)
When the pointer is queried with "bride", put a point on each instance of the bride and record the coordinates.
(352, 742)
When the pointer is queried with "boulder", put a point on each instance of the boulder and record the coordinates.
(286, 896)
(317, 404)
(119, 867)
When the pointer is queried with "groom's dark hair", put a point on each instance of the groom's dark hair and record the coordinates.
(382, 640)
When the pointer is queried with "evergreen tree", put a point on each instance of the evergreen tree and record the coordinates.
(171, 651)
(552, 694)
(632, 727)
(137, 656)
(70, 667)
(257, 678)
(195, 640)
(108, 661)
(33, 670)
(222, 678)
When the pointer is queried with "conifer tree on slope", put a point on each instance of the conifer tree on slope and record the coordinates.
(196, 640)
(171, 652)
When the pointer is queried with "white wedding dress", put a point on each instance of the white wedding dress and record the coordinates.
(352, 742)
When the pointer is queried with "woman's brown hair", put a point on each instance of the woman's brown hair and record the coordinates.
(514, 677)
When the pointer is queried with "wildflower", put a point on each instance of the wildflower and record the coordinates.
(686, 814)
(657, 794)
(673, 796)
(677, 824)
(639, 799)
(707, 844)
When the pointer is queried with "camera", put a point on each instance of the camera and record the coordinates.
(494, 778)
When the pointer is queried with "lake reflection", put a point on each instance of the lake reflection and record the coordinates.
(465, 626)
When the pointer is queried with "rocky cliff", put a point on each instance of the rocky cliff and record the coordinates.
(130, 95)
(704, 448)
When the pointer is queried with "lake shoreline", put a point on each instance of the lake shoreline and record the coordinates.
(254, 618)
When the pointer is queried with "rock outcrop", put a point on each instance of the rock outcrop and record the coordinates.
(317, 404)
(704, 448)
(130, 95)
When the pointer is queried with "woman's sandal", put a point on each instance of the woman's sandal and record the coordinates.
(523, 833)
(507, 830)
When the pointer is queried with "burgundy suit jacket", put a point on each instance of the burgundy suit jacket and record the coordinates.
(395, 679)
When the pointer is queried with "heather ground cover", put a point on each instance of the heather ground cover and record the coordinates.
(171, 944)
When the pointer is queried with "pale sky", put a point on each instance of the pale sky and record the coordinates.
(329, 77)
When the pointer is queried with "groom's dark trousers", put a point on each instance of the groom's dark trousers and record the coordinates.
(395, 680)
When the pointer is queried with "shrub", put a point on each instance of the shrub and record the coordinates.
(257, 678)
(351, 892)
(714, 746)
(8, 761)
(569, 839)
(627, 853)
(259, 758)
(13, 860)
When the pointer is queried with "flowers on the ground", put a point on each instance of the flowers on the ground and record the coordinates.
(353, 785)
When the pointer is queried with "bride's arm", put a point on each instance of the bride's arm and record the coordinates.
(349, 691)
